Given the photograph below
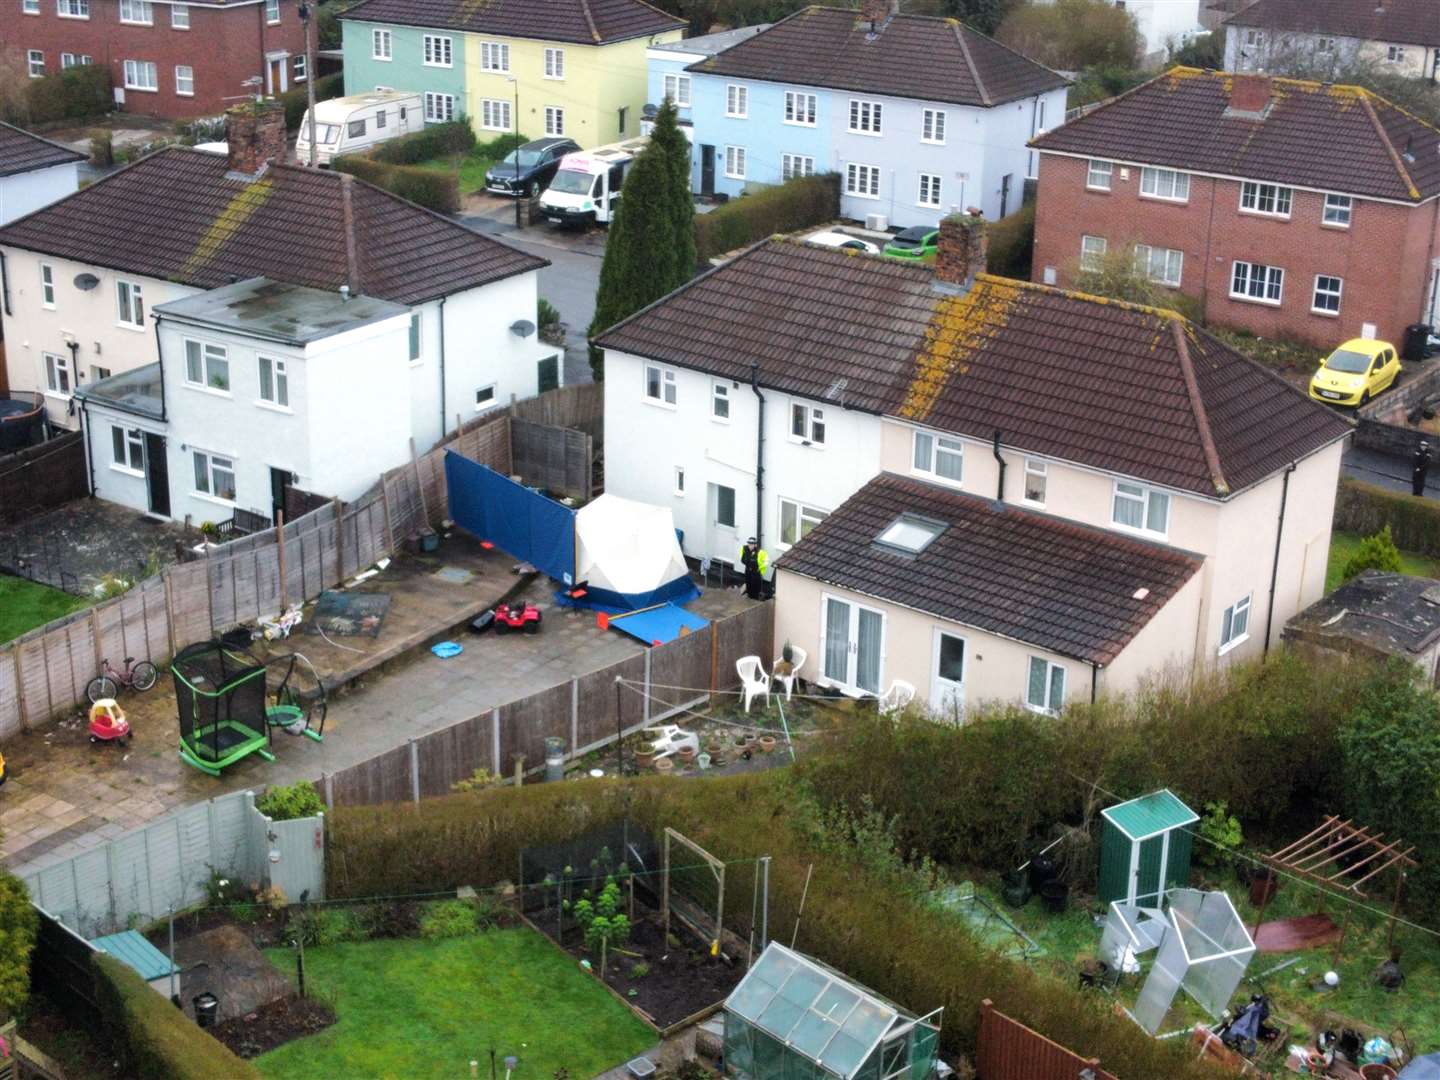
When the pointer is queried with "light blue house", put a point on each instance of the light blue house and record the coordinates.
(920, 116)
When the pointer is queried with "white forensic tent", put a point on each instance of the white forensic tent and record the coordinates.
(627, 554)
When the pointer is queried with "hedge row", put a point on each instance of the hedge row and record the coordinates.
(157, 1039)
(1012, 244)
(1366, 509)
(77, 93)
(296, 101)
(430, 142)
(439, 191)
(795, 204)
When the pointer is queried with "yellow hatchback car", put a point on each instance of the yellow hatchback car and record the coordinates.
(1355, 372)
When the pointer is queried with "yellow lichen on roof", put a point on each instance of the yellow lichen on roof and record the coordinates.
(228, 222)
(955, 334)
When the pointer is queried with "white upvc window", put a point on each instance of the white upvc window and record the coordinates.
(484, 397)
(494, 56)
(677, 89)
(735, 162)
(130, 300)
(1271, 200)
(932, 126)
(807, 423)
(494, 114)
(796, 521)
(680, 481)
(86, 60)
(660, 385)
(272, 11)
(57, 374)
(72, 9)
(554, 63)
(1325, 45)
(800, 108)
(737, 100)
(554, 120)
(1160, 264)
(1169, 184)
(720, 401)
(862, 180)
(793, 165)
(724, 505)
(1338, 210)
(300, 72)
(1045, 687)
(180, 16)
(1326, 300)
(35, 63)
(1099, 174)
(274, 382)
(1257, 283)
(414, 337)
(141, 75)
(137, 12)
(1235, 624)
(381, 45)
(127, 449)
(939, 456)
(30, 7)
(1037, 475)
(67, 61)
(865, 117)
(929, 194)
(47, 285)
(1141, 508)
(439, 108)
(207, 365)
(439, 50)
(1395, 54)
(184, 80)
(214, 475)
(1092, 252)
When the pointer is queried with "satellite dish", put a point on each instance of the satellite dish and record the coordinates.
(522, 328)
(86, 282)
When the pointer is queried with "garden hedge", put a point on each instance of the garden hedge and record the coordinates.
(439, 191)
(1366, 509)
(430, 142)
(77, 93)
(296, 101)
(795, 204)
(1012, 244)
(158, 1040)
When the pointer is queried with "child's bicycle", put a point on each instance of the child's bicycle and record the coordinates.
(107, 684)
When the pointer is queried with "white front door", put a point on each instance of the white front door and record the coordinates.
(852, 639)
(722, 540)
(947, 685)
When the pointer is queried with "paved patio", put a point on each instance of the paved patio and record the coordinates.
(74, 546)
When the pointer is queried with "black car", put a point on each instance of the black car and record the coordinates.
(528, 169)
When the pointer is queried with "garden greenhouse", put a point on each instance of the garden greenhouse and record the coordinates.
(793, 1018)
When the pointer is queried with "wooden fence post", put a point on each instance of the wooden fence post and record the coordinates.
(714, 651)
(20, 689)
(169, 610)
(339, 543)
(574, 716)
(95, 635)
(280, 555)
(385, 508)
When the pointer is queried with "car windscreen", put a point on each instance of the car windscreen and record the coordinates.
(913, 235)
(571, 182)
(1348, 362)
(527, 158)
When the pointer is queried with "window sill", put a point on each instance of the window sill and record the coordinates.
(1099, 190)
(1233, 643)
(211, 390)
(1334, 226)
(553, 78)
(799, 123)
(927, 206)
(417, 363)
(1325, 314)
(1255, 300)
(184, 93)
(1031, 502)
(1040, 709)
(142, 89)
(737, 116)
(1149, 534)
(270, 406)
(669, 405)
(127, 22)
(861, 195)
(719, 419)
(47, 307)
(205, 496)
(125, 470)
(179, 28)
(867, 134)
(1262, 214)
(936, 478)
(732, 176)
(428, 64)
(808, 444)
(77, 18)
(382, 59)
(932, 142)
(1165, 199)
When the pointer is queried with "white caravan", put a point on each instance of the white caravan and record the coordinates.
(352, 125)
(586, 190)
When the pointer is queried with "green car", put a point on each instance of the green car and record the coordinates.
(916, 242)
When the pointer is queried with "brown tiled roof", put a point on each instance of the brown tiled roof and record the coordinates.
(180, 215)
(1335, 138)
(584, 22)
(21, 151)
(1063, 587)
(1131, 390)
(909, 56)
(1401, 21)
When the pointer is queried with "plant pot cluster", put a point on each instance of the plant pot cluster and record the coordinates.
(1043, 877)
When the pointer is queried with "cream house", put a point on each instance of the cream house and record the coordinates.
(759, 399)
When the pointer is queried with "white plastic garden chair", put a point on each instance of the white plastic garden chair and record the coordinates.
(753, 680)
(797, 662)
(667, 738)
(900, 694)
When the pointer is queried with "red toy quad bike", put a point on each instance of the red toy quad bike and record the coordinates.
(517, 618)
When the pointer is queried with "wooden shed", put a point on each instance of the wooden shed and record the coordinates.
(1145, 848)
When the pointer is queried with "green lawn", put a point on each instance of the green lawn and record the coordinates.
(472, 170)
(414, 1008)
(1343, 545)
(25, 605)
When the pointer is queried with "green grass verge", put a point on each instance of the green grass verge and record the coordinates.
(1343, 545)
(25, 605)
(411, 1008)
(472, 170)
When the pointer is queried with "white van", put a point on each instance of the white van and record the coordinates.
(586, 189)
(351, 125)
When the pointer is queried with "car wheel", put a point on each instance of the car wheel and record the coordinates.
(1364, 399)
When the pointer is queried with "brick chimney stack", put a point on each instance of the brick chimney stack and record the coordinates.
(961, 252)
(1249, 93)
(255, 133)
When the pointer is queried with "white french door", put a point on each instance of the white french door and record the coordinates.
(947, 683)
(853, 639)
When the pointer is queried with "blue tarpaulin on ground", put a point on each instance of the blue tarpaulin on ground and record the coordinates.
(519, 521)
(661, 623)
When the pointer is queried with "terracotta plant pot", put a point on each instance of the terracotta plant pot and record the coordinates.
(686, 754)
(714, 746)
(664, 765)
(767, 743)
(644, 759)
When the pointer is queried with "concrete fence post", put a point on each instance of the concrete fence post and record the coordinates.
(414, 771)
(329, 781)
(495, 740)
(574, 716)
(645, 702)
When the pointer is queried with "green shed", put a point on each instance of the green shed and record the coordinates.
(1145, 848)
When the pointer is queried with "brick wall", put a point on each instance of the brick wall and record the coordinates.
(1383, 257)
(1382, 423)
(224, 47)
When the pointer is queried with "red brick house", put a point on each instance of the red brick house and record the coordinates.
(1286, 208)
(168, 59)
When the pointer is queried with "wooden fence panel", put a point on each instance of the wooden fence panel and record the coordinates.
(41, 477)
(10, 719)
(454, 753)
(189, 603)
(750, 633)
(684, 663)
(403, 498)
(525, 724)
(1008, 1050)
(383, 778)
(596, 719)
(557, 459)
(581, 406)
